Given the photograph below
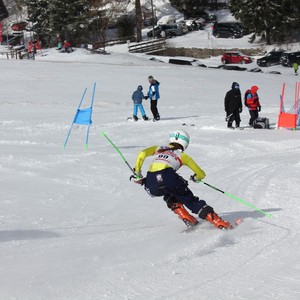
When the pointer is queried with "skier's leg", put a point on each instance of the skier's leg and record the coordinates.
(185, 196)
(141, 107)
(207, 213)
(180, 210)
(252, 117)
(237, 118)
(135, 111)
(230, 121)
(154, 109)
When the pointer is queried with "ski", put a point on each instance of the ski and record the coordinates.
(190, 229)
(130, 119)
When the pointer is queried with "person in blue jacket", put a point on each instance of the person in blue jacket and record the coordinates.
(153, 94)
(137, 98)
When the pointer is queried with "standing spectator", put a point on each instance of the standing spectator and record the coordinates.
(295, 65)
(137, 98)
(59, 43)
(153, 95)
(233, 105)
(252, 102)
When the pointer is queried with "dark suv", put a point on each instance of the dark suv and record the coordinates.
(227, 30)
(287, 59)
(272, 58)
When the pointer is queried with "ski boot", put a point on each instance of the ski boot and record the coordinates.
(209, 215)
(182, 213)
(135, 118)
(214, 219)
(145, 118)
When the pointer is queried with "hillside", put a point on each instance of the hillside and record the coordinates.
(74, 227)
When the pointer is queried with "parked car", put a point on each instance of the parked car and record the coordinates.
(288, 59)
(169, 31)
(272, 58)
(227, 30)
(195, 24)
(235, 57)
(157, 32)
(183, 26)
(167, 20)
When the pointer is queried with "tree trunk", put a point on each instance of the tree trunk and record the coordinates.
(139, 20)
(268, 37)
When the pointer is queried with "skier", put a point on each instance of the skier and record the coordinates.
(295, 66)
(137, 98)
(153, 95)
(233, 105)
(162, 180)
(253, 104)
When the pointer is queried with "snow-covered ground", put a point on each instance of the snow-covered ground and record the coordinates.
(72, 225)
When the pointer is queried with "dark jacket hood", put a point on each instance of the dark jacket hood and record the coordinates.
(233, 84)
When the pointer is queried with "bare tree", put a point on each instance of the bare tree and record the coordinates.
(106, 11)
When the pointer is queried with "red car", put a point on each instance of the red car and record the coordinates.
(235, 57)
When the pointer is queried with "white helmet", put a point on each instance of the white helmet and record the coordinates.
(180, 137)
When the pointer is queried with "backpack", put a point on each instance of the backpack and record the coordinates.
(245, 97)
(261, 123)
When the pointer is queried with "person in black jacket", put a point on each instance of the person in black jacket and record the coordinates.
(233, 105)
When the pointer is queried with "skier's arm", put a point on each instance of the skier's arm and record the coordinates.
(190, 163)
(240, 103)
(141, 157)
(226, 100)
(258, 103)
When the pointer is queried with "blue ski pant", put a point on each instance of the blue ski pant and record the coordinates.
(137, 107)
(173, 188)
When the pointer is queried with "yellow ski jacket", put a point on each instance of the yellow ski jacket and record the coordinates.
(161, 163)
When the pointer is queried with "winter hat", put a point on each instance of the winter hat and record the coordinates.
(140, 87)
(254, 89)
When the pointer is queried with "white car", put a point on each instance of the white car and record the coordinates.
(167, 20)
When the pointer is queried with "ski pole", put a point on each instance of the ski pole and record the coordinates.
(237, 199)
(117, 149)
(228, 117)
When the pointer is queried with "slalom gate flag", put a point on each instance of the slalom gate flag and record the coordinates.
(83, 117)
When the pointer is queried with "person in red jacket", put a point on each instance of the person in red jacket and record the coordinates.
(67, 47)
(252, 102)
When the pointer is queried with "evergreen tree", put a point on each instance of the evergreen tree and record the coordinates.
(66, 18)
(190, 8)
(38, 15)
(273, 18)
(125, 26)
(69, 18)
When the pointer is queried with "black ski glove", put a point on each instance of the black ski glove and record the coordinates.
(194, 178)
